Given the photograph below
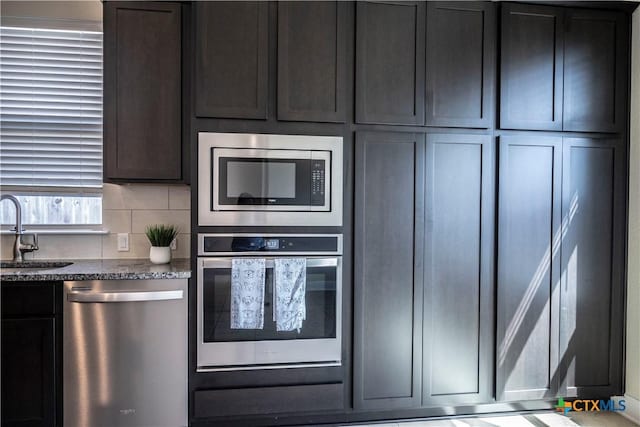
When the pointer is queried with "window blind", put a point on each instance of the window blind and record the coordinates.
(50, 108)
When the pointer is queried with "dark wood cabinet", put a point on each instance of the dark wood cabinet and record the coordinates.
(389, 188)
(31, 356)
(231, 59)
(458, 280)
(595, 71)
(529, 236)
(143, 92)
(28, 372)
(268, 400)
(390, 61)
(460, 64)
(531, 67)
(312, 56)
(592, 262)
(483, 270)
(563, 69)
(423, 272)
(560, 267)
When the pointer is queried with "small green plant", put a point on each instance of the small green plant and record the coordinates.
(161, 235)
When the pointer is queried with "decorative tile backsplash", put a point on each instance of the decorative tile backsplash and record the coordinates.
(126, 209)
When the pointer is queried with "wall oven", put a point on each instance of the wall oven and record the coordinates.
(269, 180)
(221, 345)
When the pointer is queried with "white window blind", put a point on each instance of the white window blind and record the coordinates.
(51, 108)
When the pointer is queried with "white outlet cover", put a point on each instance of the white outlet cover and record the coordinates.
(123, 242)
(174, 244)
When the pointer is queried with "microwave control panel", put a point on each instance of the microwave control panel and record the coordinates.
(317, 183)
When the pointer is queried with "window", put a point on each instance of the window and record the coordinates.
(51, 124)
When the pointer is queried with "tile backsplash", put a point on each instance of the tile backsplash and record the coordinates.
(125, 209)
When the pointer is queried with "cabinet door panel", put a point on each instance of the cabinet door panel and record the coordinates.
(592, 254)
(528, 267)
(531, 67)
(389, 188)
(231, 59)
(143, 124)
(28, 372)
(458, 297)
(312, 47)
(595, 71)
(390, 56)
(460, 64)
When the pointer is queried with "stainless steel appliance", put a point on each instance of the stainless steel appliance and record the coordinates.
(269, 180)
(319, 341)
(125, 353)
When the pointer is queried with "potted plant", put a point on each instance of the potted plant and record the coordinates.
(160, 236)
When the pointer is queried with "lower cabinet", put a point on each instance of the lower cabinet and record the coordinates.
(430, 327)
(267, 401)
(30, 355)
(592, 255)
(560, 267)
(389, 207)
(424, 226)
(529, 221)
(457, 330)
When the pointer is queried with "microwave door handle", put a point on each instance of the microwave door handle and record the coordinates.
(270, 263)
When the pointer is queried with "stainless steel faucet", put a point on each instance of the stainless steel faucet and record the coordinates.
(19, 247)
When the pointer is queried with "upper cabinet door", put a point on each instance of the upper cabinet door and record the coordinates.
(595, 71)
(142, 91)
(531, 67)
(390, 57)
(312, 54)
(460, 64)
(231, 72)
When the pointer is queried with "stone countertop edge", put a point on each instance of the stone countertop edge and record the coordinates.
(104, 269)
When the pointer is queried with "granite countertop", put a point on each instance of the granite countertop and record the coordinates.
(101, 269)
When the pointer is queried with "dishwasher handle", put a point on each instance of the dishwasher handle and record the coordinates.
(89, 297)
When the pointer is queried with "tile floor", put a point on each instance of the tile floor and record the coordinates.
(542, 419)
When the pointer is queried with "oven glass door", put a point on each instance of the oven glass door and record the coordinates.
(319, 339)
(291, 180)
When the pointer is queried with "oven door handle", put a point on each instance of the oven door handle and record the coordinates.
(269, 262)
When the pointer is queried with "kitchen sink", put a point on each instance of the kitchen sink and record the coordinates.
(11, 266)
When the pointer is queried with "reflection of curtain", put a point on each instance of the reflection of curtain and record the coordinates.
(289, 293)
(247, 293)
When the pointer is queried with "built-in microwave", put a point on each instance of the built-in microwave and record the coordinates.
(269, 180)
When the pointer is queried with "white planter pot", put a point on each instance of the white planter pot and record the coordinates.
(160, 254)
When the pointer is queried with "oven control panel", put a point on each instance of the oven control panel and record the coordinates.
(246, 244)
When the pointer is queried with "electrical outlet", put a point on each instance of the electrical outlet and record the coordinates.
(123, 242)
(174, 244)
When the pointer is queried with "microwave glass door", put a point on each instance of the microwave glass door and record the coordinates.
(245, 181)
(263, 179)
(320, 305)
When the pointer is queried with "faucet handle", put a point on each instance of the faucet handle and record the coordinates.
(31, 246)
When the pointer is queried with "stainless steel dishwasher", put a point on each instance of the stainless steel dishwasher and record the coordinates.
(125, 353)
